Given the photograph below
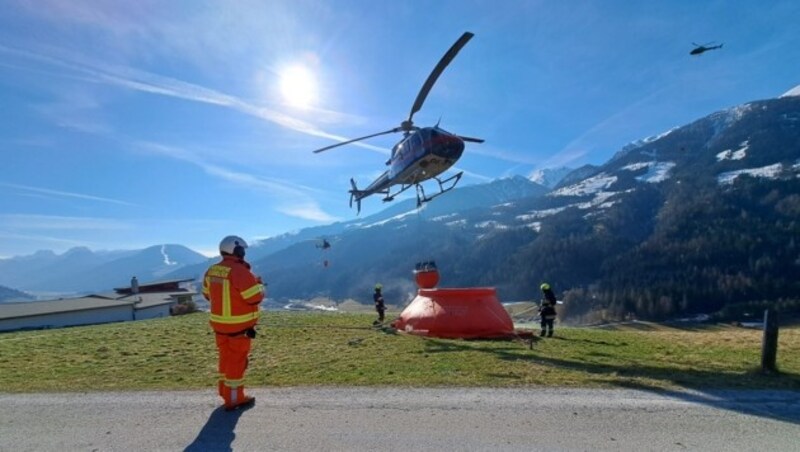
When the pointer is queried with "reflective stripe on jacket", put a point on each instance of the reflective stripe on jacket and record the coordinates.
(547, 311)
(234, 294)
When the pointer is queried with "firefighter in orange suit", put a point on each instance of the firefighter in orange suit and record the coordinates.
(234, 294)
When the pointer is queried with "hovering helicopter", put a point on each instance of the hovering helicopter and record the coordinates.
(703, 48)
(423, 153)
(323, 244)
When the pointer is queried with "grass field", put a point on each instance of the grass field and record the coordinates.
(303, 349)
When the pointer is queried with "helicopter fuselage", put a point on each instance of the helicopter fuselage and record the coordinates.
(702, 49)
(422, 154)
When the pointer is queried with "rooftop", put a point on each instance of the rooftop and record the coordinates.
(34, 308)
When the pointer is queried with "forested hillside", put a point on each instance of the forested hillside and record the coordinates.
(696, 219)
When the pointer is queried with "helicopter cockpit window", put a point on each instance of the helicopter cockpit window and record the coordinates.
(415, 142)
(424, 134)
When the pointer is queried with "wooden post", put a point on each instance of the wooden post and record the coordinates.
(769, 346)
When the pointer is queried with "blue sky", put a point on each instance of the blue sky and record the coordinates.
(130, 124)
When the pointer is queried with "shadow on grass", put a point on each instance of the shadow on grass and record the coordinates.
(593, 342)
(218, 433)
(777, 395)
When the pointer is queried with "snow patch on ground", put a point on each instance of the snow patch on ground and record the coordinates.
(166, 257)
(600, 200)
(736, 113)
(726, 118)
(537, 214)
(396, 217)
(770, 171)
(656, 171)
(536, 226)
(734, 155)
(636, 166)
(490, 224)
(588, 186)
(639, 143)
(444, 217)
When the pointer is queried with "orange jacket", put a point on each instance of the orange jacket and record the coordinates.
(234, 293)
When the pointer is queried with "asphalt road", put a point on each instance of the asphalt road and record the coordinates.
(453, 419)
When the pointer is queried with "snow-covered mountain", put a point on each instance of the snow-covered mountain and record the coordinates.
(699, 179)
(549, 177)
(792, 92)
(81, 270)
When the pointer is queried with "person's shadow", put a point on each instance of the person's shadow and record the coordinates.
(217, 434)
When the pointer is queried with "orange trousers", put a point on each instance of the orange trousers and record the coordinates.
(233, 351)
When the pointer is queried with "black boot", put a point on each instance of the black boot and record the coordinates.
(550, 333)
(542, 333)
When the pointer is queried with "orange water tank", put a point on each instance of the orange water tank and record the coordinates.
(456, 313)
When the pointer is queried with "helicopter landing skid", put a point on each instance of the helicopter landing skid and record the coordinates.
(423, 198)
(390, 196)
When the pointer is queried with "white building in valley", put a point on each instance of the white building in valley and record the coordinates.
(153, 300)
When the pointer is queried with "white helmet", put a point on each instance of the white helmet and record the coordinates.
(233, 245)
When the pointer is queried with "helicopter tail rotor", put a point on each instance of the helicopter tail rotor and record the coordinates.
(354, 195)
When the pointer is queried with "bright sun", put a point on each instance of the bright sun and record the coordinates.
(298, 86)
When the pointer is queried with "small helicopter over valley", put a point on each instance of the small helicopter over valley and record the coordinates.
(423, 153)
(698, 49)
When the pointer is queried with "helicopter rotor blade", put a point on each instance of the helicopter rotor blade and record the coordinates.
(470, 139)
(396, 129)
(437, 71)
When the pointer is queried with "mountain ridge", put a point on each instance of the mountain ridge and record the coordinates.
(80, 270)
(690, 220)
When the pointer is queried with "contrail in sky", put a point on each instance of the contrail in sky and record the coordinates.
(58, 193)
(143, 81)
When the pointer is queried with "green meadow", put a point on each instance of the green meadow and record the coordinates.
(342, 349)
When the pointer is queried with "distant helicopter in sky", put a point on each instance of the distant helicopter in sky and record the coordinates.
(323, 244)
(698, 49)
(423, 153)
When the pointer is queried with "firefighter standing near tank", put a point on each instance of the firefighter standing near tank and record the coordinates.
(547, 310)
(234, 294)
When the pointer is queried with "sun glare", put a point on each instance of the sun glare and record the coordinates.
(298, 86)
